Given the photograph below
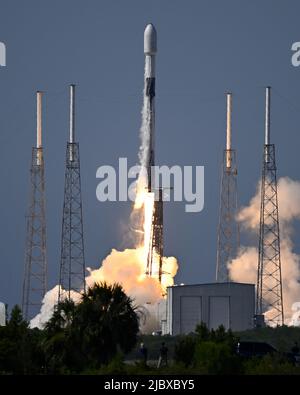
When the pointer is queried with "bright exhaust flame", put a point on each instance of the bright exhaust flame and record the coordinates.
(145, 203)
(128, 267)
(148, 214)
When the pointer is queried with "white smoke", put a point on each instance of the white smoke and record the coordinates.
(124, 267)
(295, 320)
(244, 267)
(127, 267)
(47, 309)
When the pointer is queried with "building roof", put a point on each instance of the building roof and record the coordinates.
(229, 283)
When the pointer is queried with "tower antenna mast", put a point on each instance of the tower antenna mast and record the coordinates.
(35, 273)
(228, 228)
(269, 280)
(72, 261)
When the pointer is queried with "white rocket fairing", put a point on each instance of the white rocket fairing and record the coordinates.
(150, 49)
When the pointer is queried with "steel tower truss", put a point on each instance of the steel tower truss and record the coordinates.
(228, 229)
(269, 281)
(35, 276)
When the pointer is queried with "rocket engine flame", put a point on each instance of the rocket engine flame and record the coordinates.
(128, 267)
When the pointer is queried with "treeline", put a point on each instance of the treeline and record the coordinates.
(215, 352)
(78, 338)
(282, 338)
(97, 335)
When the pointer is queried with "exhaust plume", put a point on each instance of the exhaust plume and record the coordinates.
(128, 267)
(244, 267)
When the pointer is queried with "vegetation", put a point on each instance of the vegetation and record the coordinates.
(282, 338)
(100, 336)
(77, 337)
(20, 347)
(214, 352)
(209, 352)
(270, 365)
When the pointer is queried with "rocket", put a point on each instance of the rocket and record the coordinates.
(150, 49)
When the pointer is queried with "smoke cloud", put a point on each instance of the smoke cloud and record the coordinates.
(128, 267)
(244, 267)
(47, 309)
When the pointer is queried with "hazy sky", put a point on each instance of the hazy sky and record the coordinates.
(205, 48)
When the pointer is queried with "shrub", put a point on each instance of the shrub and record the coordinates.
(185, 350)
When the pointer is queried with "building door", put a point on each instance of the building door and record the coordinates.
(190, 313)
(219, 313)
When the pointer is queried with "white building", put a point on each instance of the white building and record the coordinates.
(2, 314)
(228, 304)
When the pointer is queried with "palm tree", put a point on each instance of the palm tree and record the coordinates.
(62, 317)
(57, 343)
(90, 333)
(107, 322)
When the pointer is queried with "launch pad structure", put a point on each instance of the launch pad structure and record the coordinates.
(228, 228)
(156, 247)
(35, 272)
(197, 299)
(269, 280)
(72, 262)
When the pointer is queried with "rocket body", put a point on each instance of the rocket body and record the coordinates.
(150, 49)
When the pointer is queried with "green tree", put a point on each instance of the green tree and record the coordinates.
(209, 351)
(62, 316)
(184, 351)
(16, 321)
(202, 332)
(106, 322)
(60, 352)
(20, 351)
(216, 358)
(274, 364)
(91, 333)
